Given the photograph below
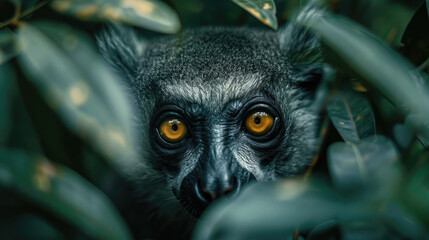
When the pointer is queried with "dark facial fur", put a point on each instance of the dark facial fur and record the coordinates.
(213, 78)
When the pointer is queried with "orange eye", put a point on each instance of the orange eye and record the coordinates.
(173, 130)
(259, 123)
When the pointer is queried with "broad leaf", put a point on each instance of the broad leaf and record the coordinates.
(373, 61)
(270, 211)
(352, 116)
(78, 86)
(372, 165)
(277, 210)
(263, 10)
(62, 192)
(151, 14)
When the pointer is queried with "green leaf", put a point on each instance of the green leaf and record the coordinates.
(271, 211)
(372, 165)
(78, 86)
(62, 192)
(403, 222)
(390, 22)
(6, 78)
(415, 193)
(352, 116)
(263, 10)
(416, 41)
(151, 14)
(372, 60)
(403, 136)
(8, 48)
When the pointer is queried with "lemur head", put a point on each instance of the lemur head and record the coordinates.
(217, 108)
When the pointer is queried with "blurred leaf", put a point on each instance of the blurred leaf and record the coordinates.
(28, 226)
(62, 192)
(403, 223)
(373, 61)
(87, 99)
(420, 122)
(151, 14)
(264, 10)
(6, 77)
(415, 39)
(390, 23)
(352, 116)
(373, 165)
(415, 194)
(325, 231)
(22, 132)
(8, 48)
(271, 211)
(403, 135)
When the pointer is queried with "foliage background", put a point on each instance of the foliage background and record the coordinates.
(64, 124)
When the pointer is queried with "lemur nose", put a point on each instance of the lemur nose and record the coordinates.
(212, 190)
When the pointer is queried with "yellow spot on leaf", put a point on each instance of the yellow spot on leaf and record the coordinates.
(324, 131)
(358, 118)
(43, 173)
(266, 22)
(117, 137)
(111, 13)
(86, 12)
(79, 93)
(290, 189)
(357, 86)
(342, 123)
(61, 5)
(139, 6)
(254, 12)
(266, 6)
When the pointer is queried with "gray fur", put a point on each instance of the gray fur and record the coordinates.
(210, 67)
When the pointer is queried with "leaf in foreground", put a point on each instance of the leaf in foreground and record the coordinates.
(373, 61)
(352, 116)
(263, 10)
(270, 211)
(151, 14)
(78, 87)
(373, 164)
(63, 192)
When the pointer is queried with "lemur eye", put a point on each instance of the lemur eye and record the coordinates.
(259, 123)
(173, 130)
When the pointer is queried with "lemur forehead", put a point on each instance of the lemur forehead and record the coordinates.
(215, 92)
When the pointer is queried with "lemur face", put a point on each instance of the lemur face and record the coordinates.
(223, 117)
(217, 108)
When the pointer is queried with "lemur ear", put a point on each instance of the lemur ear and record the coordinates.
(123, 48)
(303, 48)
